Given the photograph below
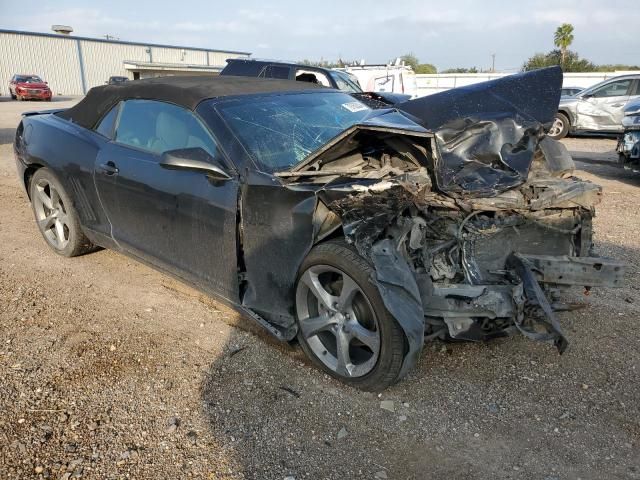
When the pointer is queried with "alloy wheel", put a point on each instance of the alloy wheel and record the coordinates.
(556, 128)
(337, 321)
(51, 214)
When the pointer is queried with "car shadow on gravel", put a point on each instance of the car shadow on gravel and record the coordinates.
(7, 135)
(467, 410)
(609, 172)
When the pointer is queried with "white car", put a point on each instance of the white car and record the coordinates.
(596, 109)
(385, 78)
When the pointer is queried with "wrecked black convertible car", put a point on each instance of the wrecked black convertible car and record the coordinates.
(361, 232)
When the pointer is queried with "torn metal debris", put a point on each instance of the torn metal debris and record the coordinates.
(472, 227)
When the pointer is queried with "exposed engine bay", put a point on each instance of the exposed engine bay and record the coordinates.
(467, 266)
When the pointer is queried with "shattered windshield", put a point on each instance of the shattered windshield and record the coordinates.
(280, 131)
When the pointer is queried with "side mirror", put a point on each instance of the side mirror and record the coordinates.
(195, 159)
(586, 95)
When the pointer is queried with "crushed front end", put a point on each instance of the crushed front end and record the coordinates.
(483, 267)
(474, 228)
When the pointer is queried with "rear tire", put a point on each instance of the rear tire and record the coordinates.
(344, 327)
(56, 216)
(560, 127)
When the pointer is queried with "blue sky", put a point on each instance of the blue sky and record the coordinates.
(446, 33)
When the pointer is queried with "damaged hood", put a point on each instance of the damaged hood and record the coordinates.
(388, 120)
(487, 133)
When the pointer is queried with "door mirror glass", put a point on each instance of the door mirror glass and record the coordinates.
(194, 159)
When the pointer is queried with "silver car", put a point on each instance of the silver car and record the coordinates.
(570, 91)
(629, 142)
(596, 109)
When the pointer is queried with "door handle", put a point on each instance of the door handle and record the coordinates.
(617, 104)
(108, 168)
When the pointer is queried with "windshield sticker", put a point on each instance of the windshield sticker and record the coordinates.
(355, 106)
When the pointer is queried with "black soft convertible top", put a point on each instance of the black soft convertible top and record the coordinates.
(187, 91)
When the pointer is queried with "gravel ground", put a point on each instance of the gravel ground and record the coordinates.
(111, 370)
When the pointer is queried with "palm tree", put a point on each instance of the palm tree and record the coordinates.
(563, 38)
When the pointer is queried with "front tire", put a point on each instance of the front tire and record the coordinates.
(344, 327)
(55, 215)
(560, 127)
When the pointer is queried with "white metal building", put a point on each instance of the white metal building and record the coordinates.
(440, 82)
(72, 65)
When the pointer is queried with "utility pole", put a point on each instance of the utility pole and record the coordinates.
(493, 63)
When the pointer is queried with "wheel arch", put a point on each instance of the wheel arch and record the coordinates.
(403, 303)
(567, 114)
(29, 172)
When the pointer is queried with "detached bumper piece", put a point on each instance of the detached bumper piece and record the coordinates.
(560, 270)
(482, 312)
(583, 271)
(542, 314)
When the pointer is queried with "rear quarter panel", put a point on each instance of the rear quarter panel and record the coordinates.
(69, 151)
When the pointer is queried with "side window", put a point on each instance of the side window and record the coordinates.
(275, 71)
(243, 68)
(613, 89)
(637, 89)
(106, 125)
(312, 76)
(159, 127)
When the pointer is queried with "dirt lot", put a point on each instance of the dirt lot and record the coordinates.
(111, 370)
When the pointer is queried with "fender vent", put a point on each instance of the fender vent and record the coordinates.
(82, 202)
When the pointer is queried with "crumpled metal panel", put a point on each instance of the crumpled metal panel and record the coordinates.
(488, 133)
(277, 233)
(400, 294)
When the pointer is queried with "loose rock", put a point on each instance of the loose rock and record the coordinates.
(388, 405)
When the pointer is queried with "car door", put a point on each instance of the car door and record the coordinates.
(180, 220)
(601, 109)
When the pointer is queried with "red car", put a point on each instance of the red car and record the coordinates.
(28, 87)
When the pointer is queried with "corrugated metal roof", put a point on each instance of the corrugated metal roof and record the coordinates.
(119, 42)
(134, 64)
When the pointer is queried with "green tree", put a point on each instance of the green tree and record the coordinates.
(461, 70)
(563, 39)
(617, 67)
(410, 60)
(425, 68)
(571, 63)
